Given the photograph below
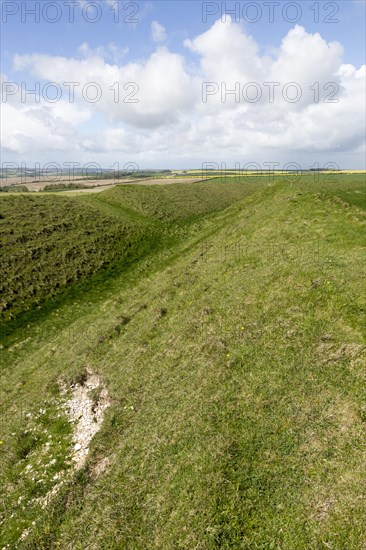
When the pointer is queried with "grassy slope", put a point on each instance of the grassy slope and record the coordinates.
(50, 243)
(181, 201)
(349, 189)
(243, 362)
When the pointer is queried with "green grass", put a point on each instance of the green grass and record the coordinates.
(241, 349)
(350, 189)
(52, 243)
(180, 201)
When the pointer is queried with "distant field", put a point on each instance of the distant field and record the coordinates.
(97, 183)
(226, 321)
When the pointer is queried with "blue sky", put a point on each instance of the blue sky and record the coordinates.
(182, 19)
(124, 43)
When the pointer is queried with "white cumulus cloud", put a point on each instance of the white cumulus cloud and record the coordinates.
(158, 32)
(152, 109)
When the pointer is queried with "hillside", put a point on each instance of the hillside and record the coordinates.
(50, 242)
(53, 243)
(228, 329)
